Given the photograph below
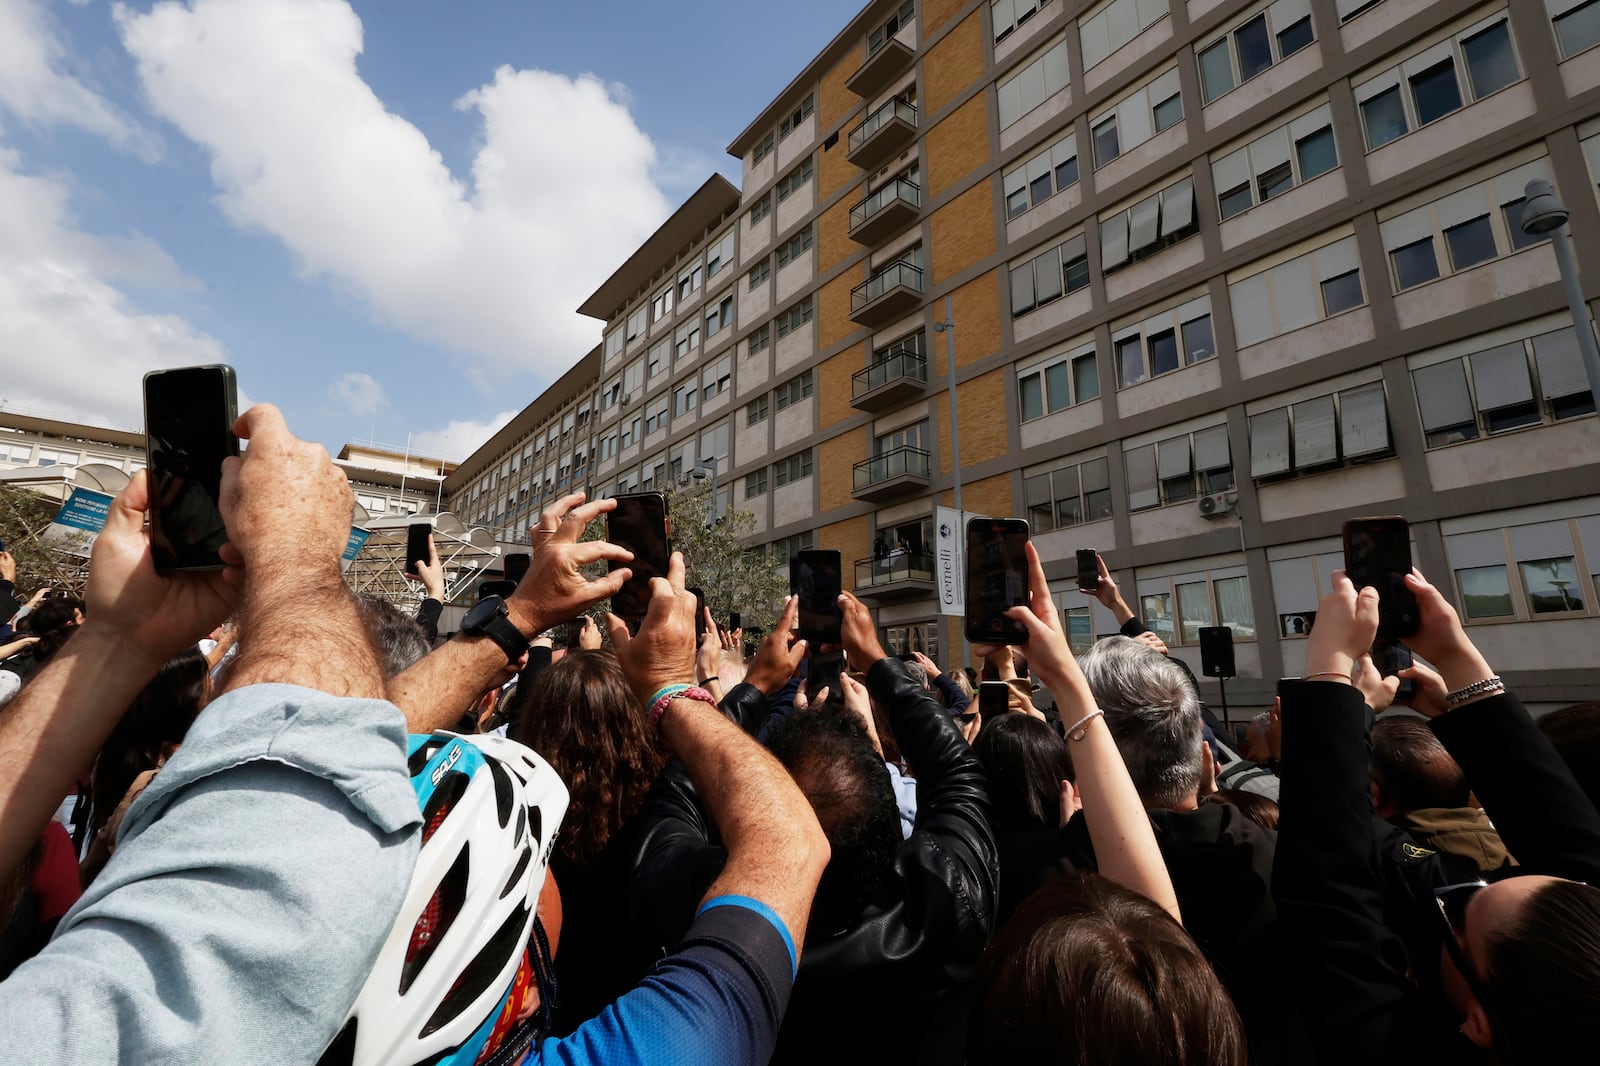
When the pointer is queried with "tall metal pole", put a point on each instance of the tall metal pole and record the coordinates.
(1568, 266)
(948, 328)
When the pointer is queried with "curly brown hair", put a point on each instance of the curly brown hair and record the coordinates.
(586, 722)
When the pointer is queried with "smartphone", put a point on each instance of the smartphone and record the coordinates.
(1391, 657)
(639, 524)
(699, 615)
(574, 632)
(994, 699)
(815, 577)
(733, 619)
(823, 672)
(496, 588)
(1377, 552)
(1088, 570)
(516, 565)
(417, 534)
(997, 579)
(188, 423)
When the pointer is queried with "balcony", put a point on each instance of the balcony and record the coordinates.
(891, 293)
(901, 576)
(886, 212)
(874, 75)
(883, 134)
(894, 473)
(889, 382)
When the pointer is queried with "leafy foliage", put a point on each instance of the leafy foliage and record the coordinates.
(24, 514)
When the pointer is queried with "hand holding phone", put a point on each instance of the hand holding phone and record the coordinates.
(815, 577)
(639, 524)
(417, 548)
(1088, 570)
(189, 416)
(1377, 554)
(997, 579)
(994, 699)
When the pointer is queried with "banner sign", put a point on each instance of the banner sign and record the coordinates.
(949, 542)
(352, 548)
(79, 521)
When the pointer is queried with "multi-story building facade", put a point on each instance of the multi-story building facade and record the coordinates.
(1219, 276)
(45, 454)
(389, 481)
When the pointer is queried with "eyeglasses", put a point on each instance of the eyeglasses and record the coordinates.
(1452, 901)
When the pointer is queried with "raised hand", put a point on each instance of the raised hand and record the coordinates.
(431, 573)
(1430, 689)
(779, 654)
(929, 667)
(859, 635)
(708, 657)
(589, 638)
(555, 588)
(663, 651)
(1440, 638)
(1347, 621)
(287, 506)
(1377, 690)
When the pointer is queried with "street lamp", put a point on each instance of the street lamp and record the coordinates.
(699, 473)
(1543, 214)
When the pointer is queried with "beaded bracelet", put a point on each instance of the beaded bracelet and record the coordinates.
(1080, 728)
(1477, 688)
(667, 693)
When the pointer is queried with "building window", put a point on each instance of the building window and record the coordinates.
(1220, 597)
(1529, 382)
(1320, 433)
(1154, 223)
(762, 149)
(1034, 82)
(760, 273)
(1318, 284)
(614, 345)
(689, 281)
(637, 323)
(794, 318)
(795, 247)
(1113, 26)
(1050, 275)
(761, 209)
(1007, 15)
(1527, 571)
(1577, 25)
(1252, 47)
(755, 412)
(797, 388)
(795, 180)
(659, 357)
(793, 120)
(1471, 226)
(759, 341)
(1133, 120)
(655, 416)
(1164, 343)
(629, 434)
(1068, 495)
(1275, 162)
(720, 257)
(720, 317)
(755, 484)
(897, 21)
(684, 398)
(687, 341)
(794, 468)
(1168, 112)
(1057, 383)
(1438, 81)
(716, 379)
(1179, 468)
(1030, 184)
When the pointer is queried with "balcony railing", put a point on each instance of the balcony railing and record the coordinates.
(893, 569)
(904, 461)
(882, 133)
(885, 210)
(897, 274)
(896, 367)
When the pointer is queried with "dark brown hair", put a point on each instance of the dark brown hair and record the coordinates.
(1026, 761)
(1413, 768)
(1262, 810)
(1543, 976)
(586, 722)
(1088, 973)
(155, 724)
(1575, 732)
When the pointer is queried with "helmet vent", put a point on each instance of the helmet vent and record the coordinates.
(441, 802)
(516, 875)
(481, 972)
(503, 796)
(436, 919)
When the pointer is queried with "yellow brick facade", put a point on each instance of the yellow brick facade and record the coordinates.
(834, 101)
(833, 310)
(958, 145)
(983, 419)
(834, 382)
(991, 496)
(834, 245)
(977, 315)
(953, 64)
(849, 539)
(836, 457)
(962, 232)
(935, 13)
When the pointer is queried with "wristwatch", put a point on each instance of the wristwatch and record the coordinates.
(489, 618)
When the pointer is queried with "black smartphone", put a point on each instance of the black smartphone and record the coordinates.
(1088, 570)
(822, 672)
(516, 565)
(1377, 552)
(997, 579)
(417, 534)
(639, 524)
(994, 699)
(496, 588)
(1391, 657)
(699, 615)
(733, 619)
(574, 632)
(815, 577)
(188, 423)
(2, 544)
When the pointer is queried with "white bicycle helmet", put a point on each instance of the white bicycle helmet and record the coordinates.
(449, 981)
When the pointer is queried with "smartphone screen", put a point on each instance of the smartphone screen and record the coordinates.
(639, 524)
(733, 619)
(815, 577)
(699, 614)
(823, 672)
(495, 588)
(417, 534)
(517, 564)
(188, 419)
(1391, 657)
(997, 578)
(994, 699)
(1088, 570)
(1377, 552)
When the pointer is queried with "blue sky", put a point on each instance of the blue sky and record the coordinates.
(381, 213)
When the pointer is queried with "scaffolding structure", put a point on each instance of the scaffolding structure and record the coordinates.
(466, 555)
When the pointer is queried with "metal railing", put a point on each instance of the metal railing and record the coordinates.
(899, 272)
(898, 189)
(899, 365)
(896, 566)
(897, 462)
(897, 108)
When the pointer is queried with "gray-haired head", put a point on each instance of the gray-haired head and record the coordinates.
(1153, 712)
(919, 675)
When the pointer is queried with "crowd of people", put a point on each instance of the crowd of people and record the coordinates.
(246, 816)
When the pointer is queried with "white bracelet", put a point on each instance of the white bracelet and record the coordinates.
(1080, 729)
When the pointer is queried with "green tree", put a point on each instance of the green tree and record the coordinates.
(24, 514)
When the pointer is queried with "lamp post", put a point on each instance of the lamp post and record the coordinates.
(1543, 214)
(700, 472)
(948, 328)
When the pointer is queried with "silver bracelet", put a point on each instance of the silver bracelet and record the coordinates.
(1080, 729)
(1477, 688)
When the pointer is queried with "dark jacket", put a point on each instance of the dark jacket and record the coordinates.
(1347, 963)
(1464, 832)
(892, 985)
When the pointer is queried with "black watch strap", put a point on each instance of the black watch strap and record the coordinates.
(509, 637)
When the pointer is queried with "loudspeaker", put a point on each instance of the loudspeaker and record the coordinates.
(1216, 651)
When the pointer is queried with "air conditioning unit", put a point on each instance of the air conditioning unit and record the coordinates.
(626, 400)
(1217, 504)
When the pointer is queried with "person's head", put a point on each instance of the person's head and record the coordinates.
(959, 679)
(1411, 770)
(1154, 713)
(582, 717)
(1262, 810)
(53, 621)
(400, 641)
(154, 725)
(827, 752)
(1575, 732)
(1088, 972)
(1026, 762)
(1522, 966)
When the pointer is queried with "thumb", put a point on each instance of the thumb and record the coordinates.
(126, 514)
(618, 630)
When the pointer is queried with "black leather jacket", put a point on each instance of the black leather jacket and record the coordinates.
(892, 985)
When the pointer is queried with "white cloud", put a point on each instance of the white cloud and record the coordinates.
(359, 393)
(560, 190)
(35, 89)
(459, 439)
(71, 343)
